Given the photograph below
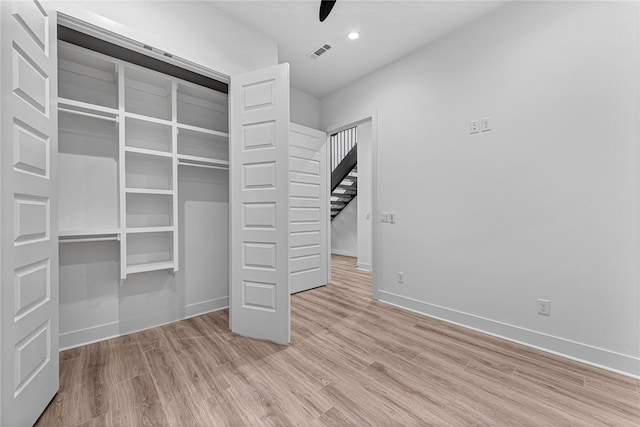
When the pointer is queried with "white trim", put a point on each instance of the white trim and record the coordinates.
(328, 203)
(602, 358)
(106, 331)
(343, 253)
(117, 39)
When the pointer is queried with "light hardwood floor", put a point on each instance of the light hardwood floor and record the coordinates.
(352, 361)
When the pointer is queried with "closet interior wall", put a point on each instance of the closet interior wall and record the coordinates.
(144, 197)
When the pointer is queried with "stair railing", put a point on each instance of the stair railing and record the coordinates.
(341, 144)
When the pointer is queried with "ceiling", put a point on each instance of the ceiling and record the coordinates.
(389, 30)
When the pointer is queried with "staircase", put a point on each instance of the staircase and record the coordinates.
(344, 193)
(344, 170)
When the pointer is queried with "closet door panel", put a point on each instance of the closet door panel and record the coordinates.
(309, 208)
(259, 159)
(29, 251)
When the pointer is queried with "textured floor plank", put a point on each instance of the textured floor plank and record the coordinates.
(352, 362)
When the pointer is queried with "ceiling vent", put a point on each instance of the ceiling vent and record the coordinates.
(320, 50)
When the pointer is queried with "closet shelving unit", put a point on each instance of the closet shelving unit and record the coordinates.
(124, 132)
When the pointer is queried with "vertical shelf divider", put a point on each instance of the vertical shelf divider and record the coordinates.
(174, 147)
(122, 174)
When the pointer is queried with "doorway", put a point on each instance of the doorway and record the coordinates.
(351, 198)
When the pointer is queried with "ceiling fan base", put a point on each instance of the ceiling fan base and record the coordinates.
(325, 8)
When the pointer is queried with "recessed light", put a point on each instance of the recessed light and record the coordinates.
(354, 35)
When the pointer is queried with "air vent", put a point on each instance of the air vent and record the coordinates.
(320, 50)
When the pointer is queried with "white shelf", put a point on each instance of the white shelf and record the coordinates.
(147, 191)
(157, 123)
(151, 172)
(148, 119)
(169, 229)
(203, 130)
(148, 152)
(202, 160)
(86, 76)
(149, 210)
(66, 102)
(150, 135)
(152, 266)
(202, 108)
(147, 94)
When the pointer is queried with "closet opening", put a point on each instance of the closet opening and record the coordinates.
(143, 189)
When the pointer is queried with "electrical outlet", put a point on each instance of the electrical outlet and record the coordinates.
(544, 306)
(384, 216)
(400, 277)
(485, 124)
(474, 126)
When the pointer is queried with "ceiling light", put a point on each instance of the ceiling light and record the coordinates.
(354, 35)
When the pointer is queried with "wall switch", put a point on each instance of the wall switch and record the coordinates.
(384, 217)
(485, 124)
(400, 277)
(474, 126)
(544, 306)
(392, 217)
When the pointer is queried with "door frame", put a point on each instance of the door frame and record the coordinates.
(351, 121)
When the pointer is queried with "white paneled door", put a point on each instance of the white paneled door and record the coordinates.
(28, 209)
(259, 199)
(309, 208)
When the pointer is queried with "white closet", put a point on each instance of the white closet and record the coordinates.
(144, 197)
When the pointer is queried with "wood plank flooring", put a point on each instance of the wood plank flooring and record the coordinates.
(352, 361)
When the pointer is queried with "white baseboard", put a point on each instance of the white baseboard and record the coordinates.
(620, 363)
(151, 320)
(343, 253)
(105, 331)
(204, 307)
(364, 266)
(88, 335)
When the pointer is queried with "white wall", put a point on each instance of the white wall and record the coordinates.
(192, 30)
(543, 206)
(344, 231)
(305, 109)
(364, 195)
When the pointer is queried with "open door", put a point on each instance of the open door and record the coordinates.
(259, 182)
(309, 208)
(28, 212)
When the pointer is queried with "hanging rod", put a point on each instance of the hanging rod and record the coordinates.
(88, 239)
(82, 113)
(200, 165)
